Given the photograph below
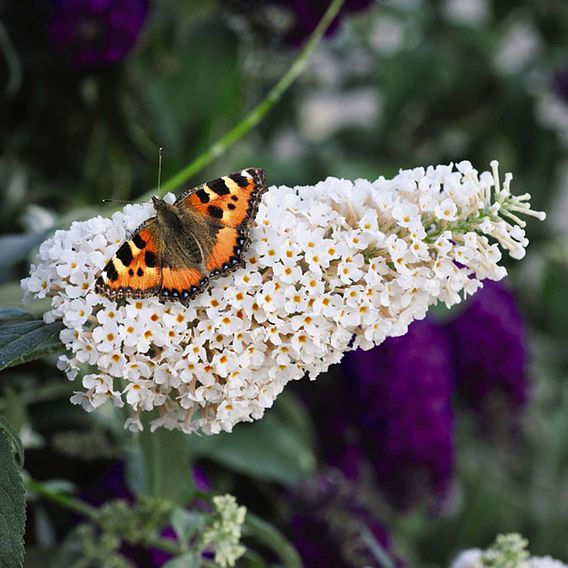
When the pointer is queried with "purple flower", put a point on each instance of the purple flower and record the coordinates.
(490, 353)
(307, 14)
(95, 32)
(560, 83)
(328, 523)
(401, 397)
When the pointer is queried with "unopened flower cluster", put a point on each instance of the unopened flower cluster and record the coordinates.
(333, 267)
(224, 534)
(508, 551)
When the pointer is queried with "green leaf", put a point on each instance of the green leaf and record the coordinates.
(12, 507)
(12, 436)
(14, 248)
(186, 524)
(275, 448)
(252, 559)
(189, 560)
(11, 295)
(8, 313)
(272, 538)
(136, 474)
(14, 409)
(167, 468)
(24, 341)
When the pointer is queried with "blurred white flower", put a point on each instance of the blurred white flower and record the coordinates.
(338, 266)
(545, 562)
(508, 551)
(474, 559)
(559, 207)
(387, 35)
(552, 111)
(322, 114)
(467, 12)
(520, 44)
(468, 559)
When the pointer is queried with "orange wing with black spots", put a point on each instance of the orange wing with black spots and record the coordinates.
(181, 283)
(175, 255)
(229, 204)
(134, 270)
(230, 200)
(227, 250)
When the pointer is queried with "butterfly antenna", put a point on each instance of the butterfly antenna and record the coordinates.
(160, 153)
(123, 201)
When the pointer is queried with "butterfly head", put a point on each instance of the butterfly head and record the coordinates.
(158, 202)
(168, 215)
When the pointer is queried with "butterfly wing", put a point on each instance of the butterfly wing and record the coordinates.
(182, 283)
(214, 218)
(134, 270)
(231, 201)
(228, 204)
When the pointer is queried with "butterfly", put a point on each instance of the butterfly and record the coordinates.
(202, 236)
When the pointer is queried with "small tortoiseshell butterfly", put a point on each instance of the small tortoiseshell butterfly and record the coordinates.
(203, 235)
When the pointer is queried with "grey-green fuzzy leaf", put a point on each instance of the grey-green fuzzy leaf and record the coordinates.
(12, 508)
(24, 341)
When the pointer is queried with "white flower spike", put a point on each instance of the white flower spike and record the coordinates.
(338, 266)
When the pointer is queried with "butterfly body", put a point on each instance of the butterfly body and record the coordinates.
(203, 235)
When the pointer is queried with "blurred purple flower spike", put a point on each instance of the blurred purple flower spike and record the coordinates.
(308, 13)
(402, 392)
(92, 33)
(490, 351)
(560, 83)
(328, 522)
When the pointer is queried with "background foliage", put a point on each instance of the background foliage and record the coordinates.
(397, 84)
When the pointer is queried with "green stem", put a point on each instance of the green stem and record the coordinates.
(267, 535)
(258, 113)
(62, 499)
(164, 545)
(78, 506)
(167, 463)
